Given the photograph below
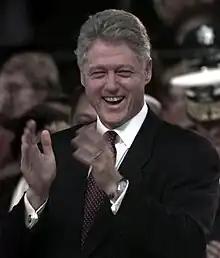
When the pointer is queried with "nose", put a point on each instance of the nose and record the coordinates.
(111, 83)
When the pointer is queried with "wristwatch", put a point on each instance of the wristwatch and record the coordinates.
(120, 187)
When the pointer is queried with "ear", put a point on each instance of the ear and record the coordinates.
(82, 78)
(148, 71)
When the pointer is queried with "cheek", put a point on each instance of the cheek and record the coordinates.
(93, 89)
(134, 89)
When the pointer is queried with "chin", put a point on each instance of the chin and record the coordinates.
(113, 123)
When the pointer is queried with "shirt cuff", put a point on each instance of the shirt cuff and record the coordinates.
(116, 205)
(32, 216)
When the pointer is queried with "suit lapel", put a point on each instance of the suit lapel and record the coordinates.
(138, 156)
(141, 150)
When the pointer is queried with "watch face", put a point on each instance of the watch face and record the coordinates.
(122, 185)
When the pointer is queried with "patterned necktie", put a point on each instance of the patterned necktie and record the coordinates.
(94, 194)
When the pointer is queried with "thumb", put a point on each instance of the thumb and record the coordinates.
(46, 143)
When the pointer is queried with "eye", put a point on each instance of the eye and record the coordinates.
(98, 74)
(125, 73)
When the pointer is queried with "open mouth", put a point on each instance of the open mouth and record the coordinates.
(113, 100)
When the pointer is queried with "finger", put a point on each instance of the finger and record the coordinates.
(31, 125)
(46, 142)
(30, 131)
(85, 128)
(27, 136)
(81, 130)
(215, 244)
(84, 156)
(212, 250)
(89, 137)
(80, 140)
(25, 150)
(208, 255)
(84, 145)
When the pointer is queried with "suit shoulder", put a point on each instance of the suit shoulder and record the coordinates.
(186, 153)
(179, 135)
(186, 142)
(67, 134)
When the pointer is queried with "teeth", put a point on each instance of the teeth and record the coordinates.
(112, 99)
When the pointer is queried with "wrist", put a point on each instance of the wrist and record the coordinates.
(112, 186)
(36, 200)
(118, 189)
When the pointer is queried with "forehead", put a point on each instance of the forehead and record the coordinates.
(108, 54)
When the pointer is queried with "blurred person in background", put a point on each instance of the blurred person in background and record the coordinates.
(197, 80)
(202, 105)
(154, 104)
(29, 89)
(174, 108)
(82, 112)
(26, 80)
(196, 40)
(170, 10)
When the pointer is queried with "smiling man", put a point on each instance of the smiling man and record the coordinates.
(128, 185)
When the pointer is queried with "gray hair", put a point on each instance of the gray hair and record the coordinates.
(113, 26)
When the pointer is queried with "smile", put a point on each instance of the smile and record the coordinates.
(113, 100)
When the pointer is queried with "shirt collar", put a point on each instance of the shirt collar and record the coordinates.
(128, 131)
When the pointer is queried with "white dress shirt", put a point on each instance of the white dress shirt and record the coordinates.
(19, 191)
(126, 135)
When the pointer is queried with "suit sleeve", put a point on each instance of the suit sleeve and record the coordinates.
(215, 233)
(177, 224)
(13, 230)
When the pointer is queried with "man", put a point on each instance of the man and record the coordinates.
(129, 185)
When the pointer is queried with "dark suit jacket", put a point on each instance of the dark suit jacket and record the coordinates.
(7, 187)
(215, 233)
(167, 211)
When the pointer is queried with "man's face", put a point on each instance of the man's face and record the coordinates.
(16, 95)
(175, 112)
(114, 81)
(84, 112)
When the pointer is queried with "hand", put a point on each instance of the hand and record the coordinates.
(213, 249)
(38, 168)
(92, 150)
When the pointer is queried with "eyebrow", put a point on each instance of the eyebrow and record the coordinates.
(92, 68)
